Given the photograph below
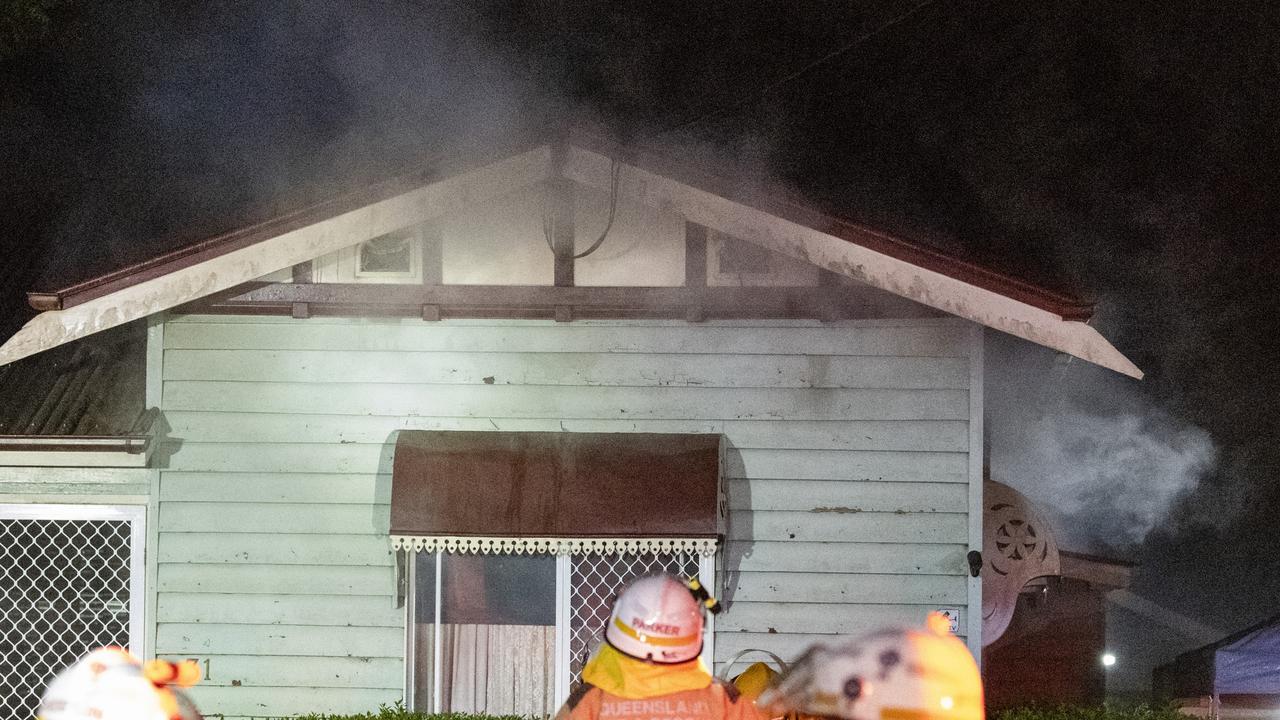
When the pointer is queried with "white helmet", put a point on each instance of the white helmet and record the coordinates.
(919, 674)
(658, 619)
(111, 684)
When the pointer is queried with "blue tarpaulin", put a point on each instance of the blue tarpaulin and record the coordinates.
(1246, 663)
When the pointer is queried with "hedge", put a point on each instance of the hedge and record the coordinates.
(1137, 711)
(398, 712)
(1058, 712)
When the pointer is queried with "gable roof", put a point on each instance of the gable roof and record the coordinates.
(770, 219)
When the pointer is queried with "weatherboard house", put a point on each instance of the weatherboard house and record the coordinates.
(406, 444)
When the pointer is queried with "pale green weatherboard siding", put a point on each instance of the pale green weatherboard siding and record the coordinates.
(848, 475)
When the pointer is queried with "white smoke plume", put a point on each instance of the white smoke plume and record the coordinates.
(1105, 463)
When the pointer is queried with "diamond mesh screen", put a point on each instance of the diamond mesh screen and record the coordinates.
(64, 590)
(595, 580)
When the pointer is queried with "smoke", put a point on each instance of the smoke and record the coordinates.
(212, 116)
(1106, 463)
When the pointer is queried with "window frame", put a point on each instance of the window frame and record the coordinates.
(413, 239)
(564, 572)
(343, 266)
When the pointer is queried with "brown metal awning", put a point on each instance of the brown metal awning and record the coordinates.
(556, 492)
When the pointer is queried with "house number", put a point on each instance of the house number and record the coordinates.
(205, 675)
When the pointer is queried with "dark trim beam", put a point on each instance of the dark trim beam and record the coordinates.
(545, 301)
(695, 255)
(562, 211)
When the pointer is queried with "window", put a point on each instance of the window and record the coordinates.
(484, 632)
(594, 581)
(70, 581)
(735, 262)
(518, 542)
(516, 629)
(407, 256)
(736, 257)
(387, 255)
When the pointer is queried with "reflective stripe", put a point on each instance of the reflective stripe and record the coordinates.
(653, 640)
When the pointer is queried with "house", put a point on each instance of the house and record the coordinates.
(408, 442)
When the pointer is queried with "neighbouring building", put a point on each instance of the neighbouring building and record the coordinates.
(1046, 610)
(407, 443)
(1235, 677)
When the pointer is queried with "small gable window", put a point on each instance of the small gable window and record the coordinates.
(390, 254)
(407, 256)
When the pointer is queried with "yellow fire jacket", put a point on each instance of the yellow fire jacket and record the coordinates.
(617, 687)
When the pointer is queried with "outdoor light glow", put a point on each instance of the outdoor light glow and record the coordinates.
(1108, 659)
(948, 703)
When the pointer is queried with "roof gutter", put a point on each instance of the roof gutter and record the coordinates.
(123, 451)
(130, 444)
(130, 450)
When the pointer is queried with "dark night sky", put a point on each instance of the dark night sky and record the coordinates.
(1124, 151)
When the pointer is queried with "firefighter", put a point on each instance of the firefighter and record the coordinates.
(917, 674)
(648, 666)
(111, 684)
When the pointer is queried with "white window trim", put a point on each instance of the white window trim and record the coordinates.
(343, 266)
(136, 515)
(564, 573)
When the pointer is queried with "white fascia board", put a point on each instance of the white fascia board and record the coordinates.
(899, 277)
(57, 327)
(78, 459)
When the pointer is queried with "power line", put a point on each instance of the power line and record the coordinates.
(802, 71)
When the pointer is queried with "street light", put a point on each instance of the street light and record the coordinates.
(1108, 660)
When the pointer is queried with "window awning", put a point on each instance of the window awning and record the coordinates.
(557, 492)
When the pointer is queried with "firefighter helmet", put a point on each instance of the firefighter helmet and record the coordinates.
(111, 684)
(657, 619)
(919, 674)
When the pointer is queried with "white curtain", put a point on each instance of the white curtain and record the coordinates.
(494, 669)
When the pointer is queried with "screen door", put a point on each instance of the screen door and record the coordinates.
(70, 582)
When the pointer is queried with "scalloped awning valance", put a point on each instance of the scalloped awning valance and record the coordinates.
(557, 493)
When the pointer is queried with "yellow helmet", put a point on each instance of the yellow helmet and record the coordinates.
(888, 675)
(111, 684)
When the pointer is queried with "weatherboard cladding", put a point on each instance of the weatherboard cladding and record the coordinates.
(847, 471)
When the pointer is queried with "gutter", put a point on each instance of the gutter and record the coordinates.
(130, 450)
(129, 444)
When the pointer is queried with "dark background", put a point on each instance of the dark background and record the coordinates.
(1123, 151)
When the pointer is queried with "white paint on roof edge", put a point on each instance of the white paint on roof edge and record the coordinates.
(58, 327)
(899, 277)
